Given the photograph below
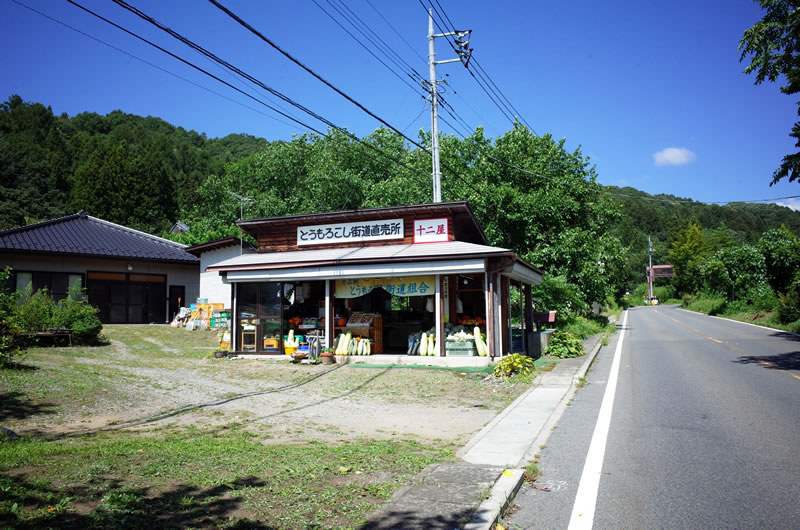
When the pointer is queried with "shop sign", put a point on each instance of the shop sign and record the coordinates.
(350, 232)
(398, 286)
(431, 231)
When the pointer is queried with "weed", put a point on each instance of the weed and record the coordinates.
(532, 472)
(581, 382)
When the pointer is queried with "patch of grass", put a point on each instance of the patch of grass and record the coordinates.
(532, 472)
(192, 478)
(581, 382)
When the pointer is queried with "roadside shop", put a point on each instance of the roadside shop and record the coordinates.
(411, 280)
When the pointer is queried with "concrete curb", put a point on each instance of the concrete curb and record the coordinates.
(547, 428)
(502, 494)
(509, 483)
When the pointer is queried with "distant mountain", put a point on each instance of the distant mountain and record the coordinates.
(137, 171)
(660, 216)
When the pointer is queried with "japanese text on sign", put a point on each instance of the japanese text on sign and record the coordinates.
(408, 286)
(350, 232)
(431, 231)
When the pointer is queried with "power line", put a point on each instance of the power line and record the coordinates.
(398, 33)
(250, 28)
(400, 77)
(173, 74)
(286, 54)
(247, 76)
(378, 40)
(482, 78)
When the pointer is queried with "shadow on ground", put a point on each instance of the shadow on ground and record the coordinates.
(409, 519)
(794, 337)
(785, 361)
(17, 406)
(28, 504)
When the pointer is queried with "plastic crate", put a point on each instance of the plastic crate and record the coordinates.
(454, 348)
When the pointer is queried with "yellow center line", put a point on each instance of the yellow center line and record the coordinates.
(796, 377)
(715, 340)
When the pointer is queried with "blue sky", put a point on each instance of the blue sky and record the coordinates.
(653, 92)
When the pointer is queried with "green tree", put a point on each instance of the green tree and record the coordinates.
(774, 44)
(688, 251)
(746, 269)
(781, 250)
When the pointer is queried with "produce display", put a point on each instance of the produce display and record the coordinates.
(346, 344)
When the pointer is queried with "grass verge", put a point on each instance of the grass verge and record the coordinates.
(191, 478)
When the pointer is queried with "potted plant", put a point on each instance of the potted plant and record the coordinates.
(327, 356)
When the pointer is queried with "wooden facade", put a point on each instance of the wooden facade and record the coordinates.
(465, 256)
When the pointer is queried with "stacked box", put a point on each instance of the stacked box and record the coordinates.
(454, 348)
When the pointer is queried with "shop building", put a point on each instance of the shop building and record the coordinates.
(384, 274)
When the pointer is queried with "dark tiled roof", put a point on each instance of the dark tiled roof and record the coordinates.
(82, 235)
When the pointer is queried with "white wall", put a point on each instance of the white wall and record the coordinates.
(212, 285)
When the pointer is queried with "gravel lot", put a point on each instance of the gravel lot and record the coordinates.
(153, 376)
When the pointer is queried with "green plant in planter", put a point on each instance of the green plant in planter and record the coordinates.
(513, 365)
(564, 345)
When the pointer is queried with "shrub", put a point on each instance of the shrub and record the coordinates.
(35, 310)
(762, 298)
(38, 312)
(10, 344)
(737, 307)
(555, 293)
(76, 314)
(664, 293)
(788, 307)
(513, 365)
(711, 305)
(583, 327)
(564, 344)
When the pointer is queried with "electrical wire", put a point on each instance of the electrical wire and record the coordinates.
(423, 59)
(306, 126)
(378, 40)
(478, 65)
(394, 72)
(250, 28)
(482, 78)
(148, 63)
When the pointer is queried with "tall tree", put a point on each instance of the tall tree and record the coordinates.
(774, 44)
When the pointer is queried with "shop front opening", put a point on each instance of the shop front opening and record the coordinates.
(268, 311)
(393, 313)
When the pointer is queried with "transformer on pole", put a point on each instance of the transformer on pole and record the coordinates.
(464, 53)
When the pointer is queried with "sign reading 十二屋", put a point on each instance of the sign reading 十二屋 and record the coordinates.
(350, 232)
(431, 231)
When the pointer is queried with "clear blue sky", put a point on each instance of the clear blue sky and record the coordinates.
(652, 91)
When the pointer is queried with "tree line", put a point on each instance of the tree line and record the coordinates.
(530, 193)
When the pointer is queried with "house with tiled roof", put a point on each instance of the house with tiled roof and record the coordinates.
(130, 276)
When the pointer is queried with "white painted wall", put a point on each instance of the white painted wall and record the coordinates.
(212, 285)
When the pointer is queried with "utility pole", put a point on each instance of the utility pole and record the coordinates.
(464, 53)
(650, 271)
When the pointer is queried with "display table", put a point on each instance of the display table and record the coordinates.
(365, 325)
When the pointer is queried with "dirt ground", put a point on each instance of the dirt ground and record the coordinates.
(140, 388)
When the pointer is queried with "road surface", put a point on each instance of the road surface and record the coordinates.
(702, 431)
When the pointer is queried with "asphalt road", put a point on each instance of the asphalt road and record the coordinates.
(704, 430)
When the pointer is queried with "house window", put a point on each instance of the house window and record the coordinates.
(58, 284)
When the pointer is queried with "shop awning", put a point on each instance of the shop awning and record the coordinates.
(454, 257)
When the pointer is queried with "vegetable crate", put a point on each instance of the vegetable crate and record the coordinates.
(454, 348)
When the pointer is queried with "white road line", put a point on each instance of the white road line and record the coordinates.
(586, 498)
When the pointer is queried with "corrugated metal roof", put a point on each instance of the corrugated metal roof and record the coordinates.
(296, 258)
(83, 235)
